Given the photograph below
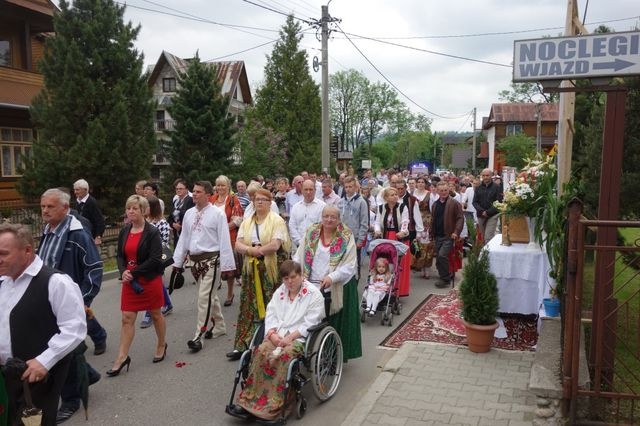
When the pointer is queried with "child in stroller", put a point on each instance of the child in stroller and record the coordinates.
(380, 282)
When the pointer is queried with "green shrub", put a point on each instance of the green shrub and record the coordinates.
(479, 289)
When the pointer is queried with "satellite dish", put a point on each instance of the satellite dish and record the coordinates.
(316, 64)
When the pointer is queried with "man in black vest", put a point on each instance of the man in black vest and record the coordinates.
(42, 320)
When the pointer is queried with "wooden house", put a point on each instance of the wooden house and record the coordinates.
(24, 26)
(510, 118)
(164, 81)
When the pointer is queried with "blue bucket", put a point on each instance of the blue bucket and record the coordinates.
(551, 307)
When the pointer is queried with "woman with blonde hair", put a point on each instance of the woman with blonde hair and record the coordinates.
(139, 258)
(263, 240)
(230, 205)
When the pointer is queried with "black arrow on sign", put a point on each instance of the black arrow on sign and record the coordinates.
(617, 65)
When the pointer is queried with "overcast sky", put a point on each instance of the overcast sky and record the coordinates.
(443, 85)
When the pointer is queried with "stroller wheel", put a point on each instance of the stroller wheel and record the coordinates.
(383, 320)
(390, 321)
(363, 315)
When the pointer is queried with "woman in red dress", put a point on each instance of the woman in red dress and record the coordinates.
(139, 259)
(392, 223)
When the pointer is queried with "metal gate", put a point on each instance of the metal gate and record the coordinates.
(602, 316)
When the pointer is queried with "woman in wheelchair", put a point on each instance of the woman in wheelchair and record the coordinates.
(295, 306)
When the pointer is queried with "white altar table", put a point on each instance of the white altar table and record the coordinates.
(522, 274)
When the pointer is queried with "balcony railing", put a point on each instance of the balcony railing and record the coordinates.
(161, 125)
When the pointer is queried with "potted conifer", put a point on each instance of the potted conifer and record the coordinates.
(479, 296)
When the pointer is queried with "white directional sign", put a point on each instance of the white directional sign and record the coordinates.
(568, 58)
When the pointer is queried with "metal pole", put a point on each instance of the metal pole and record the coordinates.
(325, 89)
(473, 151)
(538, 128)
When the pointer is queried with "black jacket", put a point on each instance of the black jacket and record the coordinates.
(149, 254)
(177, 215)
(484, 196)
(91, 211)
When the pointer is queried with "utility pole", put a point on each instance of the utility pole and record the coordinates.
(473, 151)
(325, 88)
(567, 103)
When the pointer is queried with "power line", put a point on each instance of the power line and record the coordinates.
(283, 6)
(392, 84)
(433, 52)
(189, 17)
(497, 33)
(278, 12)
(310, 9)
(250, 48)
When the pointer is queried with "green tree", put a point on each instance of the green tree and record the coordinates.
(289, 100)
(202, 141)
(94, 115)
(516, 148)
(262, 150)
(380, 100)
(528, 93)
(346, 103)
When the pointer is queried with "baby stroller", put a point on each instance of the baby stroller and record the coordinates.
(392, 251)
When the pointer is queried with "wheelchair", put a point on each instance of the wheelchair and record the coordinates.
(320, 363)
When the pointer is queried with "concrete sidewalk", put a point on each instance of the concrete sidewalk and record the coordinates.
(437, 384)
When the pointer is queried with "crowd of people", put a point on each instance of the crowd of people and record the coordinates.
(238, 237)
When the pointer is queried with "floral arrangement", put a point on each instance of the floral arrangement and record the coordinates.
(527, 194)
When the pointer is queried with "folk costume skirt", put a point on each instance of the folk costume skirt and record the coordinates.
(347, 321)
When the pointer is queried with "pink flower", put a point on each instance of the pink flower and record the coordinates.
(262, 401)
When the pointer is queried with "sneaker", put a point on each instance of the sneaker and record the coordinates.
(166, 310)
(146, 321)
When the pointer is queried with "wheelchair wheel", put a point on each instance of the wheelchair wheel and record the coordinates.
(326, 366)
(301, 407)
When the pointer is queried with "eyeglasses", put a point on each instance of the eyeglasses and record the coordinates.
(262, 200)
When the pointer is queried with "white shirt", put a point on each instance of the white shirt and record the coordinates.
(301, 313)
(292, 199)
(331, 199)
(83, 199)
(318, 190)
(302, 215)
(66, 304)
(250, 210)
(204, 231)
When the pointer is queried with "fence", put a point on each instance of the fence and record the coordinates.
(603, 311)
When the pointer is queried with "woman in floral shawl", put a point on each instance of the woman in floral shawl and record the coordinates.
(296, 306)
(327, 253)
(260, 238)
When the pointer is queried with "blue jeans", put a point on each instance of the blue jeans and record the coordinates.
(96, 332)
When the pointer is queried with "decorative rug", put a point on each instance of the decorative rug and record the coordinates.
(437, 319)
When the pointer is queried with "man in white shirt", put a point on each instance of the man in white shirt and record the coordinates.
(42, 320)
(205, 238)
(328, 195)
(305, 212)
(295, 194)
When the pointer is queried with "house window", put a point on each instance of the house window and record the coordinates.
(160, 125)
(15, 146)
(513, 129)
(168, 84)
(5, 53)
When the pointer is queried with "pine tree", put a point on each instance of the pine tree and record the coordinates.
(202, 141)
(94, 115)
(289, 101)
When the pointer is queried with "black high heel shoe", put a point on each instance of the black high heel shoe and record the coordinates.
(160, 358)
(126, 362)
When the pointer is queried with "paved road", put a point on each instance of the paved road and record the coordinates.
(197, 392)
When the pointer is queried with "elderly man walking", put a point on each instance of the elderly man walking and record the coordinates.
(68, 247)
(305, 212)
(42, 320)
(483, 198)
(88, 207)
(205, 238)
